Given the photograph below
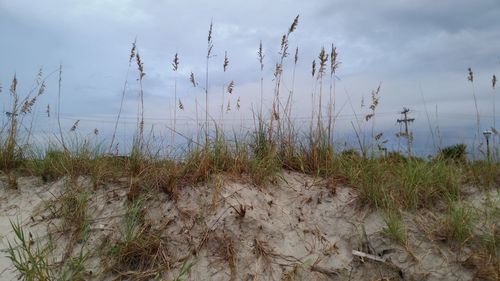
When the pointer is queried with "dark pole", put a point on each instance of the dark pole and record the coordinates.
(487, 135)
(407, 134)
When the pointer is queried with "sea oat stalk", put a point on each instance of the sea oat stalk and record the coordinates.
(210, 46)
(470, 78)
(131, 57)
(175, 68)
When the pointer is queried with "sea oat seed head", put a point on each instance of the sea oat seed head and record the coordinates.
(193, 81)
(175, 62)
(25, 109)
(333, 60)
(277, 70)
(276, 115)
(226, 61)
(41, 90)
(493, 81)
(210, 42)
(132, 51)
(140, 66)
(230, 87)
(323, 58)
(470, 75)
(375, 97)
(284, 46)
(373, 106)
(13, 86)
(261, 56)
(294, 25)
(75, 125)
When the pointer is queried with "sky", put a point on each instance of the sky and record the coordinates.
(418, 51)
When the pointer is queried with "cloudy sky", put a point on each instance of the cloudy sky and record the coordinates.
(416, 50)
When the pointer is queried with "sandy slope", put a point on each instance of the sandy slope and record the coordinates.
(299, 228)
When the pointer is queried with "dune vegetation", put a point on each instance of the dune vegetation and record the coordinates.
(224, 208)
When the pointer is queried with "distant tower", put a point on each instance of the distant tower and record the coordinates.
(406, 133)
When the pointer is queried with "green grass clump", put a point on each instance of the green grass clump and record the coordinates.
(29, 258)
(264, 167)
(395, 227)
(483, 174)
(455, 153)
(183, 272)
(34, 261)
(140, 251)
(408, 184)
(457, 224)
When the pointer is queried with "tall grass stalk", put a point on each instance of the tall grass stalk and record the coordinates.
(493, 85)
(323, 59)
(431, 131)
(260, 54)
(131, 57)
(470, 78)
(175, 68)
(59, 90)
(371, 115)
(313, 95)
(495, 130)
(278, 73)
(229, 89)
(210, 46)
(334, 64)
(289, 102)
(140, 123)
(10, 143)
(438, 130)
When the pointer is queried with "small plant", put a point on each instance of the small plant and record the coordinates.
(395, 228)
(264, 163)
(185, 268)
(11, 145)
(407, 184)
(455, 153)
(141, 250)
(457, 224)
(30, 258)
(133, 219)
(73, 208)
(48, 165)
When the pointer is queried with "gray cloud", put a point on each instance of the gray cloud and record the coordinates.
(402, 44)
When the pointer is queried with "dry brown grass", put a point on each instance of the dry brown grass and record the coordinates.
(223, 247)
(142, 258)
(486, 266)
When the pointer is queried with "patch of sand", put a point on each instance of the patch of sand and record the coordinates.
(300, 228)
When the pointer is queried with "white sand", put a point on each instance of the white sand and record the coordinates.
(308, 228)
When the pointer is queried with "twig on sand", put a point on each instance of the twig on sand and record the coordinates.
(368, 256)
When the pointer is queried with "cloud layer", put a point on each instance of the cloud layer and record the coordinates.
(413, 48)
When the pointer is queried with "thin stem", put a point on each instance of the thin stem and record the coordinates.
(120, 110)
(59, 107)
